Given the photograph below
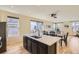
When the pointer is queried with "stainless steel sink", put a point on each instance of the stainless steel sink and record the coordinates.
(37, 37)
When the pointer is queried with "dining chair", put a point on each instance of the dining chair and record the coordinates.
(64, 38)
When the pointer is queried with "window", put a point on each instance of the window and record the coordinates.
(75, 26)
(36, 26)
(53, 26)
(12, 26)
(33, 25)
(57, 26)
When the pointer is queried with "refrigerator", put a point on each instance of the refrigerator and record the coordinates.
(2, 37)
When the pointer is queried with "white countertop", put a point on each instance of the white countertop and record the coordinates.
(48, 40)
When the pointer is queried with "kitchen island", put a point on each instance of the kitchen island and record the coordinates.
(41, 45)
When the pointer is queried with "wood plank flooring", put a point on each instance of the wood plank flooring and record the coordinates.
(15, 46)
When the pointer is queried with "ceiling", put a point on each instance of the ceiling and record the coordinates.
(64, 12)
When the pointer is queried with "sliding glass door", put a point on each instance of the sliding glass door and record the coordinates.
(12, 27)
(75, 26)
(57, 27)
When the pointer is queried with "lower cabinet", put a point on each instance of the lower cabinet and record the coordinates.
(42, 48)
(29, 47)
(27, 43)
(36, 47)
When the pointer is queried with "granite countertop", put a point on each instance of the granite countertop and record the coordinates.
(48, 40)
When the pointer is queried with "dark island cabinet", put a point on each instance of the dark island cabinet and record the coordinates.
(36, 47)
(29, 47)
(42, 48)
(27, 43)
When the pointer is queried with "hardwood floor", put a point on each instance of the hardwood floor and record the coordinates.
(72, 47)
(15, 46)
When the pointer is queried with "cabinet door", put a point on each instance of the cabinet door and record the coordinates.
(42, 48)
(29, 47)
(34, 47)
(52, 49)
(25, 42)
